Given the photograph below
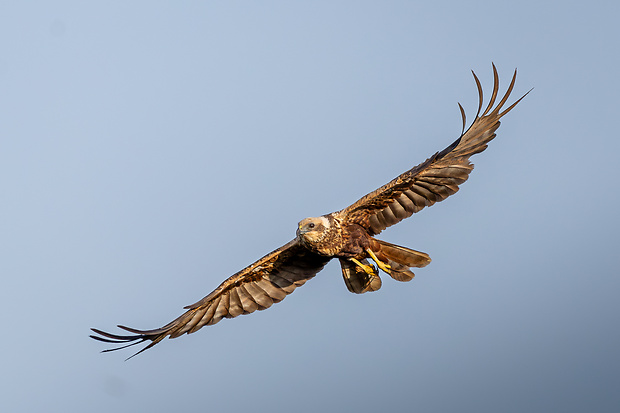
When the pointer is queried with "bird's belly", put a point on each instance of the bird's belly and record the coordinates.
(356, 242)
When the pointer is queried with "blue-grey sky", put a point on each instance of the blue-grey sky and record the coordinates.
(150, 150)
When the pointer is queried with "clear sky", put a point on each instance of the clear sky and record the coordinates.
(150, 150)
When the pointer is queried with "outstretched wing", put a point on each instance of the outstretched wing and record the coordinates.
(256, 287)
(436, 178)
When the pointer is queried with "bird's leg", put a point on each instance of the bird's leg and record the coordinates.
(385, 267)
(368, 269)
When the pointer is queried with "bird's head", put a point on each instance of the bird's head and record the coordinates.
(313, 230)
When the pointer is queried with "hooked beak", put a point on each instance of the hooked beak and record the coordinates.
(300, 231)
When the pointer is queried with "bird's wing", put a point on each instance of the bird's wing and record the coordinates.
(436, 178)
(256, 287)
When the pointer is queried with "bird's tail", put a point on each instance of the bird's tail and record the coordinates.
(401, 259)
(357, 280)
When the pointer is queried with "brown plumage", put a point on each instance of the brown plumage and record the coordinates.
(346, 234)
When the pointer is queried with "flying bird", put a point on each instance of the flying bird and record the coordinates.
(348, 235)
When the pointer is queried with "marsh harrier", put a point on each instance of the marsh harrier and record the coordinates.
(348, 234)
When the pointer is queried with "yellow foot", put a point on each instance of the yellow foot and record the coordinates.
(385, 267)
(368, 269)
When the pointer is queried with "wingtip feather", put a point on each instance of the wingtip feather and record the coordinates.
(464, 118)
(480, 94)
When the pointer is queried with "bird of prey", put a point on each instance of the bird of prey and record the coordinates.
(348, 234)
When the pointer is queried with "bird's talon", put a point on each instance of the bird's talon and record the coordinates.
(368, 269)
(384, 266)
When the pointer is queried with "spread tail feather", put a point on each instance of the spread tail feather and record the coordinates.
(401, 259)
(357, 280)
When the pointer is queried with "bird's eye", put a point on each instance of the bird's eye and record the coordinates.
(311, 225)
